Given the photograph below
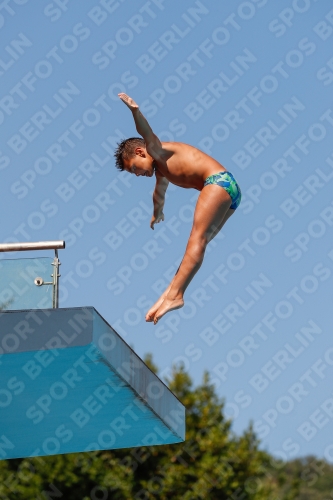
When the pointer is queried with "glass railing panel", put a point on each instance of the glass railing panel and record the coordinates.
(18, 289)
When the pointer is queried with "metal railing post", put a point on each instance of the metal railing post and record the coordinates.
(55, 296)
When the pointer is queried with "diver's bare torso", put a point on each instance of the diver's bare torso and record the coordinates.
(185, 165)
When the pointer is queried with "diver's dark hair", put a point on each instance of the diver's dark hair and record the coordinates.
(125, 150)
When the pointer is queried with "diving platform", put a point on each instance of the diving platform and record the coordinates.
(69, 382)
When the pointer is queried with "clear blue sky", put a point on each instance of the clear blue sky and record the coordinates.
(250, 83)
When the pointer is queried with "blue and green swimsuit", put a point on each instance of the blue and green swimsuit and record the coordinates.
(228, 182)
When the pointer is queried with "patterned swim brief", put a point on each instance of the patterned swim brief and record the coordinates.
(228, 182)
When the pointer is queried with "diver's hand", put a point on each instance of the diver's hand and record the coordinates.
(130, 103)
(156, 219)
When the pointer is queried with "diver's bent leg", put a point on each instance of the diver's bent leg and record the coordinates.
(212, 208)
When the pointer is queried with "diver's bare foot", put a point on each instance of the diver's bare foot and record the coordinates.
(167, 306)
(152, 311)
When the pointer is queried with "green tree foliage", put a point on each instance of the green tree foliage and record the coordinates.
(213, 463)
(315, 478)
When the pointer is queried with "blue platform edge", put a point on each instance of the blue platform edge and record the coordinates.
(70, 383)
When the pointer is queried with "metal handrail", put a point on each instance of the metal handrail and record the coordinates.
(36, 245)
